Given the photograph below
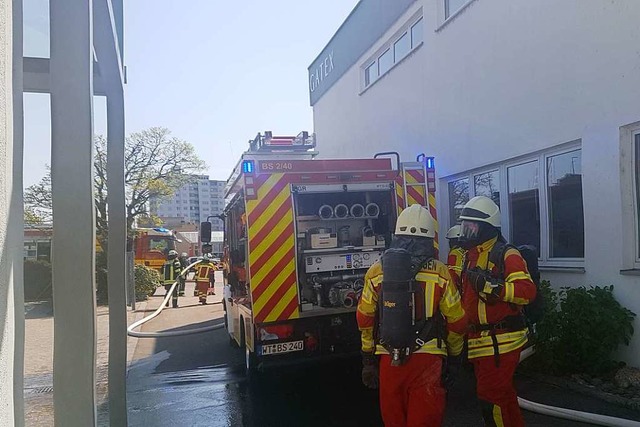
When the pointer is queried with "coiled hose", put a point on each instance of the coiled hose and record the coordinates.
(131, 332)
(570, 414)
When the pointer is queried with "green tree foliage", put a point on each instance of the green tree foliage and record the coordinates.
(581, 330)
(156, 165)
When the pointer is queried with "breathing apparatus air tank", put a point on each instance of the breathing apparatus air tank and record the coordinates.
(397, 317)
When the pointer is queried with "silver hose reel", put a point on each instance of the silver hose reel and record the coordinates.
(357, 210)
(372, 210)
(341, 211)
(325, 212)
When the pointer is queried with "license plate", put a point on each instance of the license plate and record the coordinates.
(283, 347)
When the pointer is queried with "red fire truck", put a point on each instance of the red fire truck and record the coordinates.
(300, 233)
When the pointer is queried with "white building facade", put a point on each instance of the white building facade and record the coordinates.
(533, 103)
(194, 202)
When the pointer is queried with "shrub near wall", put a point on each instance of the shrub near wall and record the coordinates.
(147, 280)
(581, 330)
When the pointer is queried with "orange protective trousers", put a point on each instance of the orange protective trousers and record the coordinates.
(496, 393)
(203, 289)
(412, 395)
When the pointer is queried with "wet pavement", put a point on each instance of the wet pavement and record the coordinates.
(198, 380)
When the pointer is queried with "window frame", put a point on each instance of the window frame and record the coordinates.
(635, 177)
(502, 167)
(374, 58)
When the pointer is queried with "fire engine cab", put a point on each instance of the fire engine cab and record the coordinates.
(300, 234)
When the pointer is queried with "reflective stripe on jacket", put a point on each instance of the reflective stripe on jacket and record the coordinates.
(454, 263)
(483, 309)
(440, 295)
(170, 270)
(203, 271)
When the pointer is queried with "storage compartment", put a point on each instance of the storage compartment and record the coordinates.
(341, 233)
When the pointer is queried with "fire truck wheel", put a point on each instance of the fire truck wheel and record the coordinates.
(250, 359)
(232, 341)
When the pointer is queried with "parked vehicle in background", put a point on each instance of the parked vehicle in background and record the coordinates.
(151, 246)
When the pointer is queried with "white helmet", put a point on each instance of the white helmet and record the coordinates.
(183, 254)
(481, 209)
(173, 253)
(454, 232)
(416, 221)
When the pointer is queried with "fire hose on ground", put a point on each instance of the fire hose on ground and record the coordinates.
(570, 414)
(133, 333)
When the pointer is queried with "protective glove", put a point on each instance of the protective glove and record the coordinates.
(481, 281)
(452, 371)
(370, 376)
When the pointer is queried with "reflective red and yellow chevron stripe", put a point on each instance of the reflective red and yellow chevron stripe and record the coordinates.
(400, 203)
(272, 265)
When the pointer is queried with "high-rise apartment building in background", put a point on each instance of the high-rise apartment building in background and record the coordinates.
(193, 203)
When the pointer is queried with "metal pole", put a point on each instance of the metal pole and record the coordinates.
(116, 258)
(71, 75)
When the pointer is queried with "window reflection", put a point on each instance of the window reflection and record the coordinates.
(488, 184)
(524, 204)
(566, 217)
(458, 197)
(36, 28)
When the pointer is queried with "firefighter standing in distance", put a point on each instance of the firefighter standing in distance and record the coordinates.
(497, 328)
(184, 262)
(205, 271)
(455, 258)
(420, 321)
(171, 271)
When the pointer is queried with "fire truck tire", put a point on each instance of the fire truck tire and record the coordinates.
(232, 341)
(250, 359)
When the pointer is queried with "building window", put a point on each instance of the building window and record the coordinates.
(370, 74)
(541, 201)
(402, 47)
(458, 196)
(524, 204)
(30, 250)
(488, 184)
(452, 6)
(393, 51)
(417, 33)
(385, 61)
(566, 217)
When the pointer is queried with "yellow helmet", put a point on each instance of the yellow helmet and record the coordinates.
(481, 209)
(416, 221)
(454, 232)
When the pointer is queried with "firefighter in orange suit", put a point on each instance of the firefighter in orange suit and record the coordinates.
(456, 254)
(497, 329)
(411, 380)
(204, 277)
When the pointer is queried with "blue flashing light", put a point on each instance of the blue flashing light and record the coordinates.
(247, 166)
(430, 163)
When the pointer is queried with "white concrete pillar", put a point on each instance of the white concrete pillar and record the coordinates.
(7, 313)
(116, 258)
(74, 304)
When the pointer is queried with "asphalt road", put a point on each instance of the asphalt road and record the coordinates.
(198, 380)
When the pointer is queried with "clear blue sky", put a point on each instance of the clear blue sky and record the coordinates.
(214, 72)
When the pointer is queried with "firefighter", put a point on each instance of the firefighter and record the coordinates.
(184, 262)
(410, 378)
(493, 303)
(204, 278)
(456, 254)
(170, 271)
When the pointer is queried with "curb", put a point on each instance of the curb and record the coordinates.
(589, 390)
